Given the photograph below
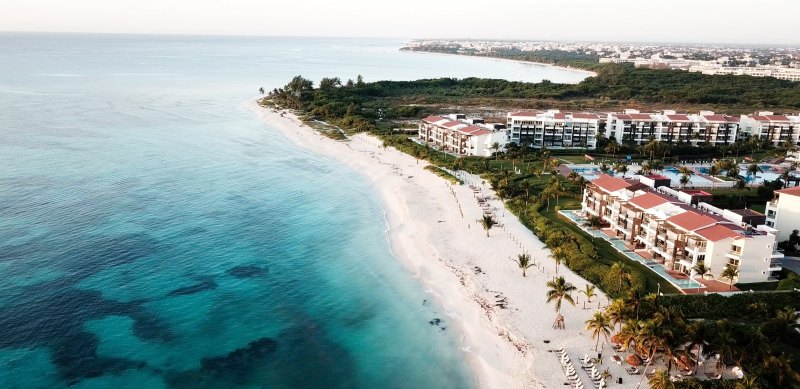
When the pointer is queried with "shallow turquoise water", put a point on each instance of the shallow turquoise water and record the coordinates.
(155, 234)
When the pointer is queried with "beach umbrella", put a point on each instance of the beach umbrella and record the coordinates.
(634, 360)
(615, 339)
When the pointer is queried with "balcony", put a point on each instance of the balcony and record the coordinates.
(732, 254)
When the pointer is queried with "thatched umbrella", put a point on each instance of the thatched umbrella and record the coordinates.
(684, 363)
(615, 339)
(634, 360)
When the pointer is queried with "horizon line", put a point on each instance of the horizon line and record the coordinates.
(409, 39)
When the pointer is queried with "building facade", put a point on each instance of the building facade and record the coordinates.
(783, 212)
(777, 129)
(679, 235)
(553, 129)
(705, 128)
(463, 136)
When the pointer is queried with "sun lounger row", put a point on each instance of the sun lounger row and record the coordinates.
(569, 369)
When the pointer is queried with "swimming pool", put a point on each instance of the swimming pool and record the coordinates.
(619, 245)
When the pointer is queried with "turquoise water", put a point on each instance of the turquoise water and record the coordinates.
(155, 234)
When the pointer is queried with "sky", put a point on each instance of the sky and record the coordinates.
(669, 21)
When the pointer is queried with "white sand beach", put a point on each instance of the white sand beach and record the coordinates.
(469, 273)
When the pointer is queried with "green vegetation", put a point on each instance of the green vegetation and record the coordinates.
(753, 331)
(626, 83)
(441, 173)
(554, 57)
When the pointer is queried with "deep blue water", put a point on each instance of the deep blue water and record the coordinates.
(153, 233)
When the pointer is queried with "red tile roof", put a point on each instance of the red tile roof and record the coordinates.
(678, 118)
(691, 221)
(657, 177)
(716, 233)
(622, 116)
(559, 115)
(609, 183)
(432, 119)
(640, 116)
(721, 118)
(452, 123)
(584, 115)
(778, 118)
(647, 201)
(793, 191)
(469, 130)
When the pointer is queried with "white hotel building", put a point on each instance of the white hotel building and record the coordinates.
(668, 126)
(553, 129)
(783, 212)
(678, 235)
(459, 135)
(775, 128)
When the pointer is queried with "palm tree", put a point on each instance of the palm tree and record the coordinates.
(417, 153)
(526, 188)
(559, 254)
(621, 168)
(589, 292)
(554, 164)
(621, 272)
(713, 170)
(617, 312)
(548, 194)
(683, 181)
(697, 335)
(560, 290)
(488, 222)
(753, 169)
(496, 148)
(556, 187)
(573, 176)
(686, 174)
(740, 185)
(652, 336)
(780, 369)
(661, 380)
(612, 147)
(627, 334)
(524, 262)
(700, 269)
(645, 169)
(724, 342)
(599, 325)
(730, 272)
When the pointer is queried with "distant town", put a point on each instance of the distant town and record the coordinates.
(778, 62)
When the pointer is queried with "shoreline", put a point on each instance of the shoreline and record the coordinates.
(439, 242)
(588, 73)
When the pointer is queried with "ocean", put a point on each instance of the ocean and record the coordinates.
(155, 234)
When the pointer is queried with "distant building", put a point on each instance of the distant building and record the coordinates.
(776, 129)
(553, 129)
(663, 223)
(631, 126)
(783, 212)
(460, 135)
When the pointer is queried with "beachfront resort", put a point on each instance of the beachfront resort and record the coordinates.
(554, 129)
(679, 230)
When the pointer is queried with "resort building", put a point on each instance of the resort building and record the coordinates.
(553, 129)
(783, 212)
(665, 225)
(462, 136)
(631, 126)
(775, 128)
